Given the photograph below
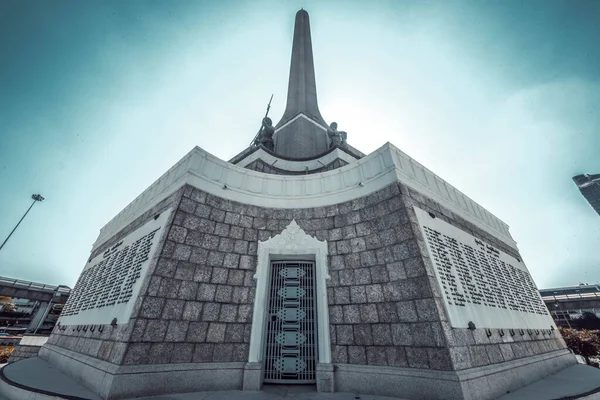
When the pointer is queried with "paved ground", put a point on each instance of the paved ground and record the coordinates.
(274, 392)
(566, 384)
(37, 373)
(570, 382)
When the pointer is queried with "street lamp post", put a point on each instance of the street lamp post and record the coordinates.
(36, 198)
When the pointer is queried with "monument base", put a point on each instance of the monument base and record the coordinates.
(481, 383)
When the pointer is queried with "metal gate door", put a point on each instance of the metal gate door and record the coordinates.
(291, 327)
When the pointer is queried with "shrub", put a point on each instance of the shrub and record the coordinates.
(586, 343)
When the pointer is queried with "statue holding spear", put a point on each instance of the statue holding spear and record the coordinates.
(264, 136)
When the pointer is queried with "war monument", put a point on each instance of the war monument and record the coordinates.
(303, 260)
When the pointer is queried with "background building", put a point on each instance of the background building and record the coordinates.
(26, 306)
(589, 186)
(568, 304)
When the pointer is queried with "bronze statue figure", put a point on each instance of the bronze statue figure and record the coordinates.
(265, 136)
(336, 138)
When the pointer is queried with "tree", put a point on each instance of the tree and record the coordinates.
(586, 343)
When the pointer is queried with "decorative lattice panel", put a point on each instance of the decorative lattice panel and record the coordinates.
(291, 328)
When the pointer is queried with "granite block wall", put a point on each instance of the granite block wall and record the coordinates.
(384, 302)
(106, 342)
(22, 352)
(474, 348)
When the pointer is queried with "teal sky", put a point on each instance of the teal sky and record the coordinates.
(98, 99)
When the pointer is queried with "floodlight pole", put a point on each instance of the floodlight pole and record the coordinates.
(36, 198)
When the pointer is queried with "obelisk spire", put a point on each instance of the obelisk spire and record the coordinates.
(298, 139)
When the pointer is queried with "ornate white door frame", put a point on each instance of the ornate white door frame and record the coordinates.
(293, 243)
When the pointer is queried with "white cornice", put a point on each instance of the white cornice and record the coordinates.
(357, 179)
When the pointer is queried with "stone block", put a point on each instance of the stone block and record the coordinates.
(460, 357)
(216, 333)
(439, 358)
(211, 312)
(191, 311)
(210, 242)
(177, 331)
(396, 271)
(182, 252)
(358, 244)
(169, 287)
(173, 309)
(228, 313)
(358, 294)
(152, 307)
(417, 357)
(235, 333)
(357, 355)
(352, 260)
(240, 247)
(219, 275)
(226, 245)
(368, 258)
(160, 353)
(387, 312)
(154, 286)
(223, 352)
(402, 334)
(479, 356)
(394, 291)
(339, 354)
(241, 295)
(374, 293)
(351, 314)
(348, 232)
(194, 239)
(236, 232)
(137, 353)
(185, 271)
(427, 310)
(240, 352)
(182, 353)
(336, 315)
(382, 334)
(202, 211)
(362, 276)
(188, 290)
(196, 332)
(168, 249)
(217, 215)
(396, 356)
(139, 326)
(199, 256)
(368, 313)
(177, 234)
(215, 259)
(379, 274)
(247, 262)
(494, 353)
(231, 261)
(244, 313)
(155, 331)
(203, 353)
(342, 295)
(347, 277)
(223, 294)
(206, 292)
(187, 205)
(376, 355)
(345, 335)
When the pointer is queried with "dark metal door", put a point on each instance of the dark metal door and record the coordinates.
(290, 351)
